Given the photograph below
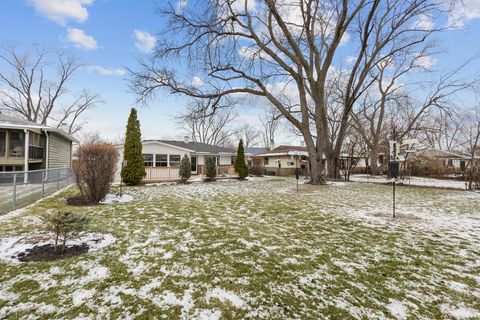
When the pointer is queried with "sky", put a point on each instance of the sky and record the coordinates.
(109, 36)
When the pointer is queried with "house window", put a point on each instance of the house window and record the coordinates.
(265, 161)
(462, 165)
(148, 160)
(233, 160)
(174, 161)
(161, 160)
(3, 142)
(450, 162)
(17, 145)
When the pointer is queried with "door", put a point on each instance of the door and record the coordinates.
(193, 161)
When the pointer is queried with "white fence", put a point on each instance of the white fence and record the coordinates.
(161, 174)
(21, 188)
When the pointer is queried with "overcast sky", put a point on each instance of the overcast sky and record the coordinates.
(109, 36)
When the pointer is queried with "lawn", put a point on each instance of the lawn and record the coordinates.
(257, 249)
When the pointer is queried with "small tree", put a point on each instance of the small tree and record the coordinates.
(210, 168)
(134, 171)
(94, 169)
(185, 168)
(64, 225)
(240, 165)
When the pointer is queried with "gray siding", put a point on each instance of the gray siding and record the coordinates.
(60, 152)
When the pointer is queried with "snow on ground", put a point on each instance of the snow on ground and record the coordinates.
(10, 247)
(114, 198)
(412, 181)
(259, 249)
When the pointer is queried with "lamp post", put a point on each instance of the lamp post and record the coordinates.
(124, 164)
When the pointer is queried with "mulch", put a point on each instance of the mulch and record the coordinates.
(78, 201)
(46, 253)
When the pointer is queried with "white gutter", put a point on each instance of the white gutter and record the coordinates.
(47, 150)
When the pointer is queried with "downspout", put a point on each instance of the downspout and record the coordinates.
(26, 155)
(47, 152)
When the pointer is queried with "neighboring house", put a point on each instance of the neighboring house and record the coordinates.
(26, 145)
(433, 160)
(162, 158)
(282, 161)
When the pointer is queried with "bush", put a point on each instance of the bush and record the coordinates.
(134, 171)
(185, 169)
(240, 165)
(210, 168)
(94, 168)
(64, 224)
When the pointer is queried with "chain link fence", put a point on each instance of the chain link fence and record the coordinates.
(21, 188)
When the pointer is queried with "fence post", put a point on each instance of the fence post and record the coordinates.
(43, 184)
(14, 191)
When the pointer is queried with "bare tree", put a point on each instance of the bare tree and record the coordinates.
(270, 121)
(34, 88)
(206, 123)
(354, 150)
(471, 135)
(250, 135)
(284, 51)
(443, 130)
(390, 100)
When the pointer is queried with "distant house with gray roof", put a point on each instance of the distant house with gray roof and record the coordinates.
(26, 145)
(162, 158)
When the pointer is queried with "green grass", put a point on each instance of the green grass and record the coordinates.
(327, 252)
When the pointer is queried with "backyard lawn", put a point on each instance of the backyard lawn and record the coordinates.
(257, 249)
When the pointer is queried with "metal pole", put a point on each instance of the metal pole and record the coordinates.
(14, 191)
(394, 198)
(43, 184)
(296, 173)
(394, 159)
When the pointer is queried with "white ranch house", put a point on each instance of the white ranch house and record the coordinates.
(162, 159)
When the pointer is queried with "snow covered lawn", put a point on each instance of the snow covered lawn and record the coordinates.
(257, 249)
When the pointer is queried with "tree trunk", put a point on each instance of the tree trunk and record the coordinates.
(316, 165)
(374, 167)
(333, 166)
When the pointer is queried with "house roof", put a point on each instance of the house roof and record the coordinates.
(283, 151)
(8, 122)
(446, 154)
(196, 147)
(255, 150)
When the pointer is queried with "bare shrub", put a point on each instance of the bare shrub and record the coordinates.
(94, 168)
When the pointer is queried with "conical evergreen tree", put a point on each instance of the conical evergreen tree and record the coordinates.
(240, 165)
(134, 171)
(185, 168)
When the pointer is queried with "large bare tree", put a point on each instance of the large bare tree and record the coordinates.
(284, 51)
(208, 121)
(34, 87)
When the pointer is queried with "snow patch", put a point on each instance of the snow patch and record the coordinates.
(223, 296)
(397, 309)
(113, 198)
(79, 296)
(10, 247)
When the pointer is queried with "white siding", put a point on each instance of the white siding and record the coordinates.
(225, 160)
